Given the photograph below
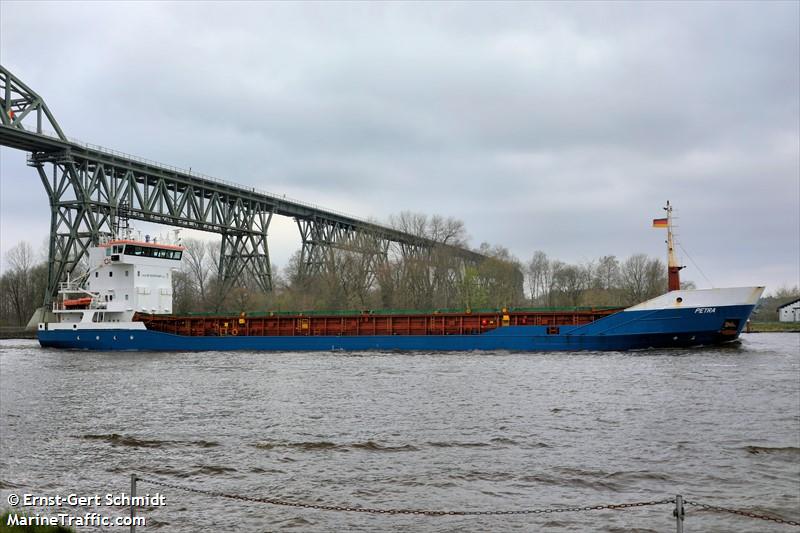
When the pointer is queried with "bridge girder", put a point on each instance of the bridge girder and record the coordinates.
(19, 104)
(88, 195)
(321, 239)
(89, 187)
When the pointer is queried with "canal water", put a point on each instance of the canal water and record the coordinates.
(441, 431)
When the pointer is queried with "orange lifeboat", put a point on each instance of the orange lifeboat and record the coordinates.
(78, 303)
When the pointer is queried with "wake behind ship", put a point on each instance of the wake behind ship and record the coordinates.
(124, 302)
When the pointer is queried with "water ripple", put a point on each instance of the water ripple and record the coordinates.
(431, 430)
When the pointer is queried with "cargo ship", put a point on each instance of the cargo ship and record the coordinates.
(124, 302)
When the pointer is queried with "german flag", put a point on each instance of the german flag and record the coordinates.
(660, 223)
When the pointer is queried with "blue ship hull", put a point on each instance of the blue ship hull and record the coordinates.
(626, 330)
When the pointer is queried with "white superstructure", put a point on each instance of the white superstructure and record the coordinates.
(125, 276)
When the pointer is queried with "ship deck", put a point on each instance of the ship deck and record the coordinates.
(366, 323)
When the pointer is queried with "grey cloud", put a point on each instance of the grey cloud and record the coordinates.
(551, 126)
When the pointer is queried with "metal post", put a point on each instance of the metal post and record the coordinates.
(133, 507)
(678, 512)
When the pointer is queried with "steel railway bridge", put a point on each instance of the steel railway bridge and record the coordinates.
(90, 188)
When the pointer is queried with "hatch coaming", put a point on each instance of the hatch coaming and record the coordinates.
(371, 324)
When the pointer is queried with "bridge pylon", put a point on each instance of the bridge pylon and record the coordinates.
(324, 240)
(244, 256)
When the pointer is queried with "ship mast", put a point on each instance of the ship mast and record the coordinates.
(673, 268)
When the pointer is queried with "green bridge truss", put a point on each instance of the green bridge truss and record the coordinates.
(92, 188)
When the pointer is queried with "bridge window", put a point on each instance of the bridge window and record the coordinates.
(147, 251)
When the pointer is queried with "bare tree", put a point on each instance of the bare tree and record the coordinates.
(656, 278)
(537, 273)
(607, 273)
(571, 281)
(20, 262)
(423, 277)
(633, 278)
(22, 286)
(786, 292)
(447, 231)
(198, 264)
(552, 280)
(642, 278)
(501, 276)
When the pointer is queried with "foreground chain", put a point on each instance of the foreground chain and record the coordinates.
(423, 512)
(742, 513)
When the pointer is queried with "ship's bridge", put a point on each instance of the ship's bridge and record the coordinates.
(118, 248)
(134, 276)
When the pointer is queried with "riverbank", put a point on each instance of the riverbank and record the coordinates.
(16, 333)
(774, 327)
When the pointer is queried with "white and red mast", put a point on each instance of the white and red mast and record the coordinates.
(673, 268)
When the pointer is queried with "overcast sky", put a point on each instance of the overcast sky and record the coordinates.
(557, 127)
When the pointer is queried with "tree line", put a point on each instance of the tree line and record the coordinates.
(606, 281)
(23, 284)
(364, 275)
